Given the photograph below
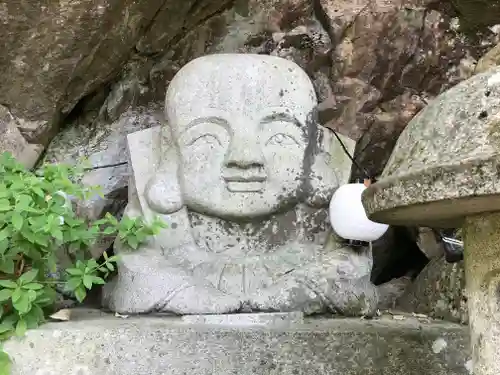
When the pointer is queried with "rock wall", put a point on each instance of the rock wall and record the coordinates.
(55, 53)
(78, 76)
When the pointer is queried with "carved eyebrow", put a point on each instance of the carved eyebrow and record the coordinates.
(210, 119)
(281, 116)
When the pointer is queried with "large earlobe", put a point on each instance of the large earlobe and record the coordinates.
(323, 181)
(330, 169)
(163, 191)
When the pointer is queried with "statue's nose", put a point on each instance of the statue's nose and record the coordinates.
(244, 154)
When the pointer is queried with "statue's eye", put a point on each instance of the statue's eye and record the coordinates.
(206, 139)
(281, 139)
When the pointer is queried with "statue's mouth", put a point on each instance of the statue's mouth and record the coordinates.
(239, 184)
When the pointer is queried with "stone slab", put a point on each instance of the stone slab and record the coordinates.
(445, 165)
(108, 345)
(241, 320)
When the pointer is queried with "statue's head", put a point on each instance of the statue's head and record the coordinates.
(244, 139)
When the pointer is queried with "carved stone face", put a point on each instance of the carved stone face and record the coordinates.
(240, 124)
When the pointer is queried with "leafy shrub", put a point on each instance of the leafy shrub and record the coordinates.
(37, 220)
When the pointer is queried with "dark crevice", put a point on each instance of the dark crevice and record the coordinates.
(323, 19)
(405, 257)
(89, 103)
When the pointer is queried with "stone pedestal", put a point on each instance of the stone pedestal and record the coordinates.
(443, 173)
(109, 345)
(482, 272)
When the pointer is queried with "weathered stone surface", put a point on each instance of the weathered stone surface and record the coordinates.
(12, 140)
(272, 320)
(438, 291)
(445, 164)
(429, 243)
(490, 60)
(482, 272)
(243, 176)
(477, 14)
(391, 291)
(56, 53)
(390, 57)
(410, 53)
(154, 346)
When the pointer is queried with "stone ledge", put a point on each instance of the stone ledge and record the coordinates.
(106, 345)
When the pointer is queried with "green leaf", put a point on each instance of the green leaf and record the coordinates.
(31, 295)
(28, 277)
(7, 266)
(114, 258)
(4, 233)
(38, 191)
(110, 266)
(21, 327)
(5, 363)
(109, 230)
(16, 294)
(80, 293)
(34, 317)
(5, 205)
(44, 301)
(112, 220)
(133, 242)
(23, 304)
(98, 280)
(33, 286)
(74, 271)
(87, 281)
(4, 245)
(8, 284)
(57, 234)
(5, 294)
(5, 327)
(129, 223)
(73, 283)
(24, 201)
(92, 264)
(10, 320)
(52, 262)
(41, 239)
(141, 236)
(17, 220)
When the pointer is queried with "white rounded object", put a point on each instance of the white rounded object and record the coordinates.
(348, 216)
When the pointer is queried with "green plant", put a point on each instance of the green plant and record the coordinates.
(37, 220)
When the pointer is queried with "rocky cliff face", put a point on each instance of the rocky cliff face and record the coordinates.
(56, 53)
(78, 76)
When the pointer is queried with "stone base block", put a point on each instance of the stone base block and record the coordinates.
(99, 344)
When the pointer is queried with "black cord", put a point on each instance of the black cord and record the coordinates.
(105, 166)
(354, 162)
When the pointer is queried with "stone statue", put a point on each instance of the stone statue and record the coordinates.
(243, 176)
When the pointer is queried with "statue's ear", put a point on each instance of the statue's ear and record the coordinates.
(154, 184)
(330, 169)
(163, 192)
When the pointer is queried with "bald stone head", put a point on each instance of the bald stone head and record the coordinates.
(241, 125)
